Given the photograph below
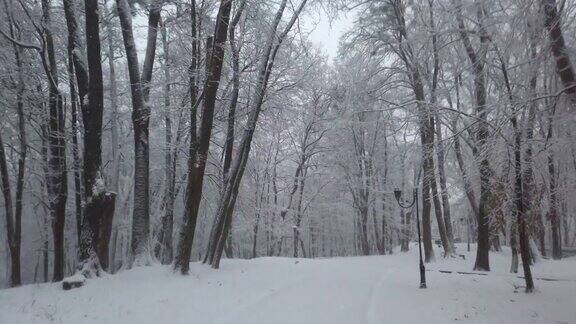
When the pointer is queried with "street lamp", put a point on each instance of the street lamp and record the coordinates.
(398, 196)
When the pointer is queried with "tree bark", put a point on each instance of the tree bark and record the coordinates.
(230, 191)
(564, 67)
(229, 144)
(553, 193)
(518, 185)
(196, 176)
(99, 209)
(113, 102)
(139, 88)
(76, 62)
(57, 183)
(114, 126)
(13, 243)
(477, 59)
(520, 210)
(14, 217)
(442, 210)
(164, 251)
(425, 124)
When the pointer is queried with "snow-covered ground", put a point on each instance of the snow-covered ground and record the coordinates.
(376, 289)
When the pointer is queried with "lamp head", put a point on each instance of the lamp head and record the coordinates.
(397, 193)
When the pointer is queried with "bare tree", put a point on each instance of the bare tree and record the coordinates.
(478, 60)
(196, 174)
(564, 67)
(14, 210)
(140, 91)
(230, 192)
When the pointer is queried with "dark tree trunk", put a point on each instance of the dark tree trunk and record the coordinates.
(57, 183)
(114, 119)
(446, 245)
(76, 62)
(196, 176)
(114, 124)
(255, 237)
(443, 185)
(23, 147)
(229, 144)
(93, 111)
(532, 204)
(14, 218)
(553, 215)
(378, 241)
(518, 185)
(99, 209)
(164, 250)
(564, 67)
(298, 221)
(442, 211)
(520, 210)
(427, 147)
(140, 118)
(13, 244)
(425, 124)
(46, 222)
(477, 59)
(78, 201)
(230, 191)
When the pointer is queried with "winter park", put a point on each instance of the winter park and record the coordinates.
(287, 161)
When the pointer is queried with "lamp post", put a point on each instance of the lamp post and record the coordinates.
(398, 196)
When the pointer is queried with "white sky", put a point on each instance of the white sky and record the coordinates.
(325, 33)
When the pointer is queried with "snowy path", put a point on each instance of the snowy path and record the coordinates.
(364, 290)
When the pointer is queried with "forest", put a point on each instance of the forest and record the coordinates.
(143, 132)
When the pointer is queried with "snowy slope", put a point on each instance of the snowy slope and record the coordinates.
(377, 289)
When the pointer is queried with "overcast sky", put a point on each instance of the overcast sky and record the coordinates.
(325, 33)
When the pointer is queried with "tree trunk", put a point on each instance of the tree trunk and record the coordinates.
(520, 210)
(427, 144)
(532, 204)
(477, 60)
(164, 249)
(57, 183)
(76, 62)
(99, 210)
(113, 103)
(553, 194)
(446, 244)
(78, 201)
(23, 147)
(13, 244)
(378, 241)
(229, 144)
(93, 110)
(443, 186)
(140, 118)
(514, 247)
(255, 237)
(196, 176)
(230, 191)
(468, 189)
(564, 67)
(425, 125)
(14, 218)
(518, 185)
(444, 224)
(298, 221)
(114, 126)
